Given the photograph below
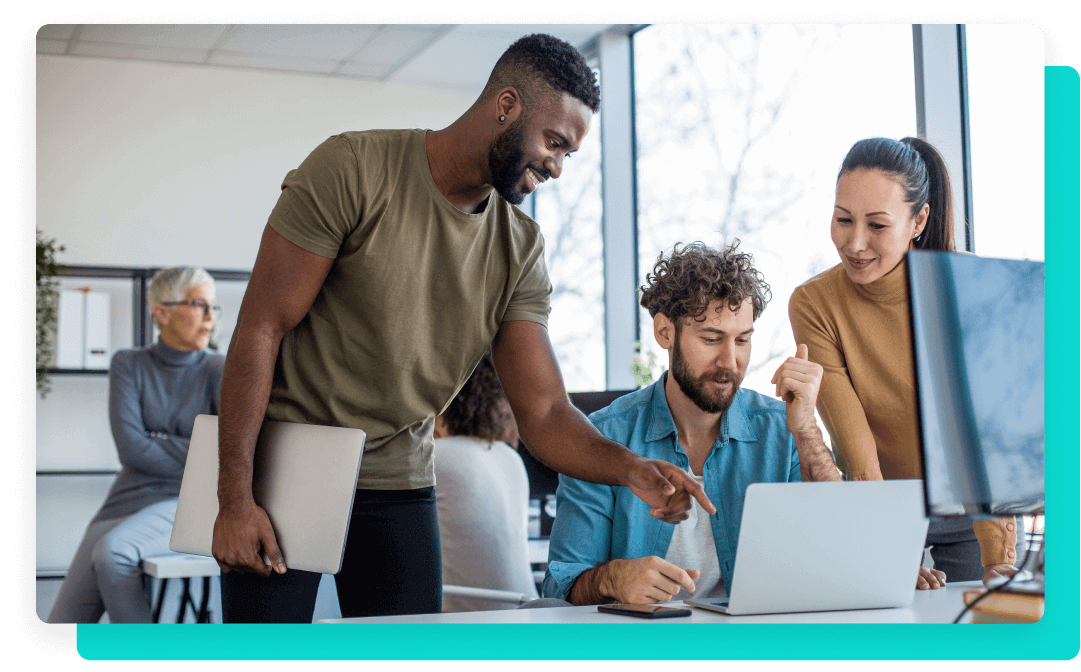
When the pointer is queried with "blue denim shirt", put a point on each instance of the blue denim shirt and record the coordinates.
(595, 523)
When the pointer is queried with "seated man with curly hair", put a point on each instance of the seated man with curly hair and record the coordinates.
(605, 547)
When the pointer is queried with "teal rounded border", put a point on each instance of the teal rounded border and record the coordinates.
(1055, 637)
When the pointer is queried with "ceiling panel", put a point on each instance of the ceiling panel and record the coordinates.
(56, 31)
(458, 56)
(261, 62)
(178, 36)
(300, 41)
(138, 52)
(395, 43)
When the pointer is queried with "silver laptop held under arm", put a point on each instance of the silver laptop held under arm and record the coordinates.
(305, 477)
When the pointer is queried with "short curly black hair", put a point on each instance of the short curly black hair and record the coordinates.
(480, 409)
(550, 59)
(684, 283)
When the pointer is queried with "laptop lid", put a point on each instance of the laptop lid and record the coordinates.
(305, 477)
(828, 546)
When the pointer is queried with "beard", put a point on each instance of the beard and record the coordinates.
(505, 162)
(695, 388)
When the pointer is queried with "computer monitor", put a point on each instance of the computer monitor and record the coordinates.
(978, 342)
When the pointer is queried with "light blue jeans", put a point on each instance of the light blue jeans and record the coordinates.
(106, 574)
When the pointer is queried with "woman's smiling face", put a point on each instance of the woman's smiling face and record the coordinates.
(872, 225)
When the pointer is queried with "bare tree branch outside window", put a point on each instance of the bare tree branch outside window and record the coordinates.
(740, 131)
(569, 211)
(725, 99)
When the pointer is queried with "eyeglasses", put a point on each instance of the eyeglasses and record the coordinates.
(198, 304)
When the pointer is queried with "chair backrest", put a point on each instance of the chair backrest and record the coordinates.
(542, 478)
(486, 594)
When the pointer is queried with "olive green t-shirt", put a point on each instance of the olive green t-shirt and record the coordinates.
(417, 292)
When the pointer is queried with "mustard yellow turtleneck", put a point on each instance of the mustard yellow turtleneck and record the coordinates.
(861, 337)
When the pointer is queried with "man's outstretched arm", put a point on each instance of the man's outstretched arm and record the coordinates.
(561, 437)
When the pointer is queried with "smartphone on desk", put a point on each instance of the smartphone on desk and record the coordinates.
(643, 610)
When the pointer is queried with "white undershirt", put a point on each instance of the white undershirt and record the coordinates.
(692, 547)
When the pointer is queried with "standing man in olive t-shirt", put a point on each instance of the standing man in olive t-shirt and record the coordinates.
(389, 264)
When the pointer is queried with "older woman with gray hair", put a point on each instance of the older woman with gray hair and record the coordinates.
(154, 395)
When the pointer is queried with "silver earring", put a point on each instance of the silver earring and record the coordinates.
(502, 118)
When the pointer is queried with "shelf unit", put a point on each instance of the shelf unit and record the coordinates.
(143, 324)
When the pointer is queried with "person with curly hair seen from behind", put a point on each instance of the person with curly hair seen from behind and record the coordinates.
(891, 196)
(604, 545)
(482, 493)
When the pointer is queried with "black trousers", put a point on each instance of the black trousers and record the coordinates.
(392, 565)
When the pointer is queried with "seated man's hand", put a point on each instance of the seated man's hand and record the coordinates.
(668, 489)
(645, 580)
(930, 579)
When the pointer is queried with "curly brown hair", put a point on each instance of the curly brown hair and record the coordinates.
(684, 283)
(480, 409)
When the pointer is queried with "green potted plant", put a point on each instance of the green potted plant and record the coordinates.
(645, 366)
(47, 294)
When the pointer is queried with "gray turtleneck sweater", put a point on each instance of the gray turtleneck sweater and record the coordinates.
(154, 395)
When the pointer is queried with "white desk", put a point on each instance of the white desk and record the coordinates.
(929, 606)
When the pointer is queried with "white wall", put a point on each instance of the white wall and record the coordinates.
(153, 164)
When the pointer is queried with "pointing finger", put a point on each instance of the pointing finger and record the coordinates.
(699, 493)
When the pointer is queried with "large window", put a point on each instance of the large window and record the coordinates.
(740, 133)
(569, 212)
(1005, 86)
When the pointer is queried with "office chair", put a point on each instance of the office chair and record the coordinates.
(486, 594)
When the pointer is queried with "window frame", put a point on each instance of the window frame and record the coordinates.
(942, 119)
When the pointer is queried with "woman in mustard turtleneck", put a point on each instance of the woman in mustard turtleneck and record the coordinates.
(891, 197)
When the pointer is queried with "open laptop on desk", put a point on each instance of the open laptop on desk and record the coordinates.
(826, 547)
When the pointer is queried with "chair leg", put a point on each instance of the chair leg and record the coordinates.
(201, 613)
(204, 604)
(185, 600)
(161, 601)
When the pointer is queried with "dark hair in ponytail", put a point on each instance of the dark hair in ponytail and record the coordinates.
(922, 173)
